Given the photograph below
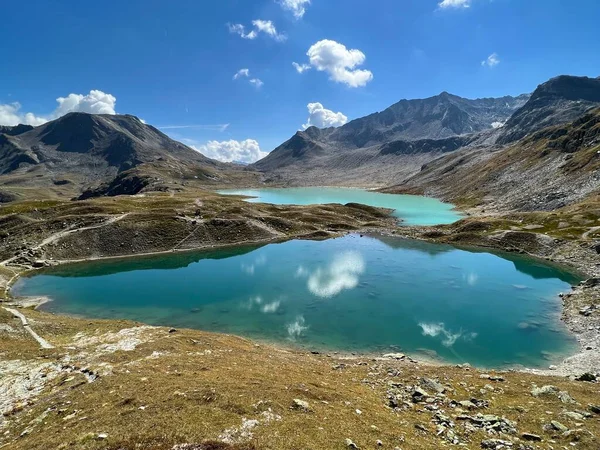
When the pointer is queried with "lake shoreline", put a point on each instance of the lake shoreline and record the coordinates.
(582, 361)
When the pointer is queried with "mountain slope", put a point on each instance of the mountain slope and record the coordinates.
(554, 167)
(386, 146)
(559, 100)
(83, 152)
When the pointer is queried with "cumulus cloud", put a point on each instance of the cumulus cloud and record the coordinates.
(491, 61)
(323, 118)
(445, 4)
(301, 68)
(246, 152)
(343, 273)
(266, 27)
(245, 73)
(96, 102)
(297, 7)
(339, 62)
(448, 338)
(296, 328)
(10, 114)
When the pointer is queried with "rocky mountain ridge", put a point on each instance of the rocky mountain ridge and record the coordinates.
(392, 146)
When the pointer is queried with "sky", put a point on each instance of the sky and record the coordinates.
(236, 78)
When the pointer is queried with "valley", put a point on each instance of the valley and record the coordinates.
(121, 199)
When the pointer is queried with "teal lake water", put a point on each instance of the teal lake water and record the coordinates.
(369, 294)
(413, 209)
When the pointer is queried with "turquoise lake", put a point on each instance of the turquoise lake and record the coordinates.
(412, 209)
(360, 294)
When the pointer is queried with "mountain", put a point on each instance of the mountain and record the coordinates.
(559, 100)
(388, 145)
(94, 155)
(391, 146)
(551, 168)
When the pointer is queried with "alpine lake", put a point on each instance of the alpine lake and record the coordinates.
(367, 294)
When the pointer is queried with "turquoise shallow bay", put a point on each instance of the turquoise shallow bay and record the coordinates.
(412, 209)
(369, 294)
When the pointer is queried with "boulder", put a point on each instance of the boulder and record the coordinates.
(544, 391)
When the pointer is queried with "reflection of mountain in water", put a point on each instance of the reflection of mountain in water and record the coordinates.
(542, 270)
(536, 269)
(154, 262)
(413, 244)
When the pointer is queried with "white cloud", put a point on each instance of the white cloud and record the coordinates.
(301, 68)
(296, 328)
(323, 118)
(241, 73)
(245, 73)
(268, 27)
(260, 26)
(10, 114)
(343, 273)
(240, 30)
(448, 338)
(297, 7)
(96, 102)
(454, 4)
(247, 151)
(256, 82)
(339, 62)
(491, 61)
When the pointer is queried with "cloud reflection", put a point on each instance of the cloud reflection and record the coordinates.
(449, 338)
(297, 328)
(342, 273)
(261, 260)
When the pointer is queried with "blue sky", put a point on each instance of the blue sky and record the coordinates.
(172, 63)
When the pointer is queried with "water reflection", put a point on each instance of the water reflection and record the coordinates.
(342, 273)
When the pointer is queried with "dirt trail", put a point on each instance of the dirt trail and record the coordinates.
(59, 235)
(43, 342)
(590, 231)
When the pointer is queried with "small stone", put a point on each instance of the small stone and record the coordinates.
(379, 443)
(595, 409)
(172, 330)
(564, 397)
(559, 426)
(531, 437)
(350, 444)
(397, 356)
(300, 405)
(590, 377)
(432, 385)
(359, 412)
(496, 444)
(574, 415)
(102, 436)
